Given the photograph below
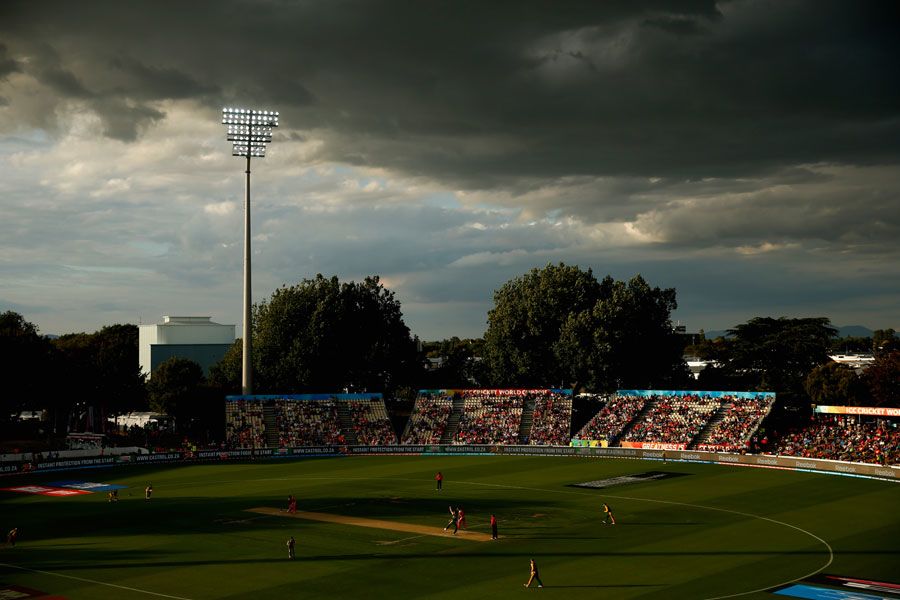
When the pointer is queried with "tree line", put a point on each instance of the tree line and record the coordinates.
(791, 357)
(556, 326)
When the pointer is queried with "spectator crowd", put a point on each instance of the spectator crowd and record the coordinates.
(733, 432)
(613, 418)
(308, 423)
(428, 419)
(371, 423)
(552, 420)
(490, 419)
(673, 419)
(494, 417)
(842, 438)
(244, 424)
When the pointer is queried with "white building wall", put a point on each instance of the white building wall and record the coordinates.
(181, 330)
(146, 338)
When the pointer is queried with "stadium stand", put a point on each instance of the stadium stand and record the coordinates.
(733, 432)
(489, 418)
(552, 420)
(307, 423)
(673, 419)
(371, 422)
(613, 418)
(727, 421)
(244, 426)
(842, 438)
(428, 419)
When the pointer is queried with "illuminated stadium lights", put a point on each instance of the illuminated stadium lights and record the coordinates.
(249, 131)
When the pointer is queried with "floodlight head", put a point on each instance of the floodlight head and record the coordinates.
(249, 130)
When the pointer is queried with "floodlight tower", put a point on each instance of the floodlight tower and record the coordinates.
(249, 130)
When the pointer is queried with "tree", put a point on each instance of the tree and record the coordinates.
(75, 353)
(560, 326)
(121, 384)
(885, 340)
(527, 320)
(226, 375)
(178, 389)
(27, 366)
(626, 340)
(883, 379)
(174, 386)
(325, 335)
(778, 354)
(716, 349)
(835, 384)
(14, 326)
(852, 345)
(461, 362)
(387, 356)
(102, 372)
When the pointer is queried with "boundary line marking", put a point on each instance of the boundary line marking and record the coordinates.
(752, 516)
(700, 506)
(491, 485)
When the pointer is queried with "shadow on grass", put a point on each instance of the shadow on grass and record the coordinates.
(553, 537)
(43, 518)
(104, 559)
(659, 523)
(608, 585)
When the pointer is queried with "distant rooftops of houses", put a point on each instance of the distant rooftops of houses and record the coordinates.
(856, 361)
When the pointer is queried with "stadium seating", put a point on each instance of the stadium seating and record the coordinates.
(489, 419)
(244, 425)
(673, 419)
(842, 438)
(428, 419)
(552, 420)
(307, 423)
(612, 419)
(371, 422)
(733, 432)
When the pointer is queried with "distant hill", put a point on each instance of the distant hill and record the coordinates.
(711, 335)
(854, 331)
(845, 331)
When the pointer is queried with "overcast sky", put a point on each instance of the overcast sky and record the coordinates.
(746, 153)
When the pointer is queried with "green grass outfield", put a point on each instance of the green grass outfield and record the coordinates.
(715, 532)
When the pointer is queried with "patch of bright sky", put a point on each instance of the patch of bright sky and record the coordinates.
(101, 269)
(148, 248)
(28, 140)
(446, 200)
(343, 170)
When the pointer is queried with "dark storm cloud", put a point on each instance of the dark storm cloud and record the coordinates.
(124, 121)
(603, 95)
(64, 82)
(676, 25)
(481, 94)
(755, 140)
(7, 64)
(153, 83)
(46, 65)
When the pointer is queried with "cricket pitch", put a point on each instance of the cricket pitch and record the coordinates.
(471, 536)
